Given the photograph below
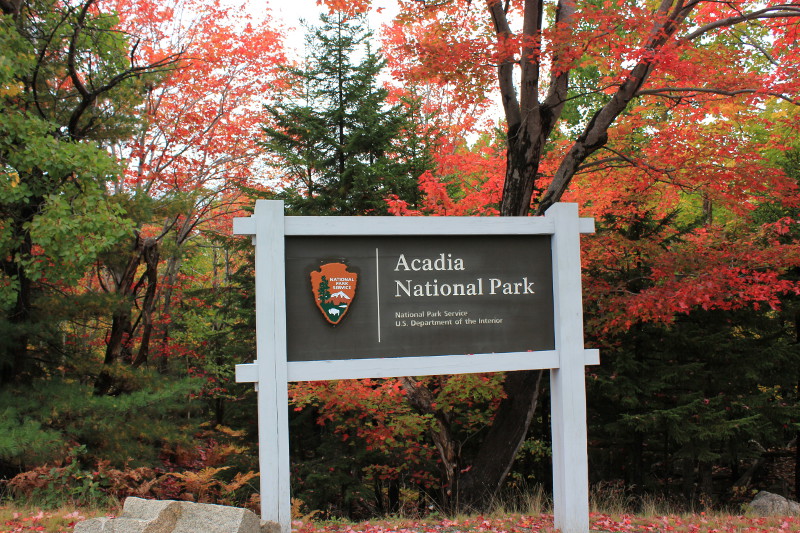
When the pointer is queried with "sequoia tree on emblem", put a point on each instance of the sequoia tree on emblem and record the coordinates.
(333, 288)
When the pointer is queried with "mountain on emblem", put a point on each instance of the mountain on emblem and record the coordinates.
(333, 288)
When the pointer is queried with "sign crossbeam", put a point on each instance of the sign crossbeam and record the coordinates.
(432, 365)
(526, 302)
(342, 226)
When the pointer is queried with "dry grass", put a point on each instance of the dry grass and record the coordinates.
(21, 518)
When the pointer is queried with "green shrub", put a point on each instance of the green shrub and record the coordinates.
(46, 419)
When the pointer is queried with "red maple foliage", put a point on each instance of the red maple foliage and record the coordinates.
(186, 170)
(670, 112)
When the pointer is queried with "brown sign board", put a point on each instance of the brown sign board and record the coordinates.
(366, 297)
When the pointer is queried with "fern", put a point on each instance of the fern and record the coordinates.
(199, 484)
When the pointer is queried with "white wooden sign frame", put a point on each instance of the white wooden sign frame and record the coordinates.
(271, 372)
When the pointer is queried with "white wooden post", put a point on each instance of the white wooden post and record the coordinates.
(273, 416)
(567, 382)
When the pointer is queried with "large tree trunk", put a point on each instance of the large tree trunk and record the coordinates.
(481, 483)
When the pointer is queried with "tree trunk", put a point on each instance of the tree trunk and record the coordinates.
(522, 158)
(12, 367)
(119, 344)
(393, 496)
(150, 257)
(797, 463)
(170, 278)
(481, 483)
(688, 481)
(706, 484)
(121, 329)
(797, 434)
(423, 400)
(124, 288)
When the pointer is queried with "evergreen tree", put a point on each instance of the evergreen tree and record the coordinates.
(341, 147)
(323, 293)
(706, 394)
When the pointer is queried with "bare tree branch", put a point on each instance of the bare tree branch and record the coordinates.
(595, 134)
(683, 92)
(505, 71)
(41, 60)
(89, 95)
(73, 51)
(559, 76)
(747, 40)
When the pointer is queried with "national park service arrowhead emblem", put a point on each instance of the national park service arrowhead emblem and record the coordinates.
(334, 289)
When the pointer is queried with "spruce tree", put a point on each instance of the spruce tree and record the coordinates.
(340, 147)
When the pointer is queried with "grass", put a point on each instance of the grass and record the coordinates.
(16, 518)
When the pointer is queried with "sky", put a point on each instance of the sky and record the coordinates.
(291, 12)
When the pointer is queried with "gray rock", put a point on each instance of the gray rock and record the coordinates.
(94, 525)
(167, 516)
(769, 504)
(197, 517)
(268, 526)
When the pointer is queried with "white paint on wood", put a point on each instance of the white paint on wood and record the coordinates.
(586, 225)
(423, 366)
(349, 226)
(244, 226)
(344, 226)
(567, 382)
(247, 373)
(273, 416)
(591, 356)
(427, 366)
(419, 366)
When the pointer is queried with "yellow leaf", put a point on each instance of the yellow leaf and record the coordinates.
(10, 91)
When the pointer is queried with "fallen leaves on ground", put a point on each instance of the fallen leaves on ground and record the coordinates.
(698, 523)
(64, 522)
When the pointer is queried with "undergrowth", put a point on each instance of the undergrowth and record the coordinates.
(208, 473)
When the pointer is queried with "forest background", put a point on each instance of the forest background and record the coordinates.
(133, 132)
